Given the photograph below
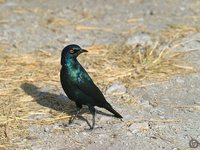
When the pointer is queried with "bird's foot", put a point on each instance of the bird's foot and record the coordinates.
(70, 121)
(65, 125)
(94, 128)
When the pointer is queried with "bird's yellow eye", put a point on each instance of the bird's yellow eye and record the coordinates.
(71, 51)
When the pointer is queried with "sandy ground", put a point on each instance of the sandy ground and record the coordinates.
(166, 115)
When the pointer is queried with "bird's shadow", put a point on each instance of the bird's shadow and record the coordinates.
(47, 99)
(54, 101)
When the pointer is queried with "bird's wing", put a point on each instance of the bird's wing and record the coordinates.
(86, 85)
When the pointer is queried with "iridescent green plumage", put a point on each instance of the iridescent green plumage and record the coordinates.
(78, 85)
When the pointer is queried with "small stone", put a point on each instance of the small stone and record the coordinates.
(146, 104)
(176, 149)
(46, 129)
(162, 117)
(116, 88)
(140, 38)
(84, 133)
(104, 119)
(24, 140)
(58, 126)
(135, 127)
(117, 126)
(129, 133)
(179, 80)
(127, 117)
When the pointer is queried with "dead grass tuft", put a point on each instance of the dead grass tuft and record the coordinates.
(176, 32)
(133, 64)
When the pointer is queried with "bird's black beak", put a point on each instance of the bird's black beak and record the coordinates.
(83, 50)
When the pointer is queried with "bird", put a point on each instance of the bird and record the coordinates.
(78, 85)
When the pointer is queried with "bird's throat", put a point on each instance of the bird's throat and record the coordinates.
(71, 63)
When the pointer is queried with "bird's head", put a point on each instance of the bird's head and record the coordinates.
(71, 52)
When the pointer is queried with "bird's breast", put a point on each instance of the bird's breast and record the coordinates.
(67, 83)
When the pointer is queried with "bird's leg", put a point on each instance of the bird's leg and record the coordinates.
(79, 107)
(92, 110)
(77, 112)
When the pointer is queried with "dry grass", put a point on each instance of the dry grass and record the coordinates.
(134, 64)
(82, 28)
(176, 32)
(16, 105)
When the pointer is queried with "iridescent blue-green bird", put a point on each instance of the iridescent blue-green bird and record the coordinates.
(78, 85)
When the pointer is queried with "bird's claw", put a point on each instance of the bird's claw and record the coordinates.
(94, 127)
(64, 125)
(70, 121)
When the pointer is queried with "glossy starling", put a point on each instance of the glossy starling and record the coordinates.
(78, 85)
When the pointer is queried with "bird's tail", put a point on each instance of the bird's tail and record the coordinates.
(110, 109)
